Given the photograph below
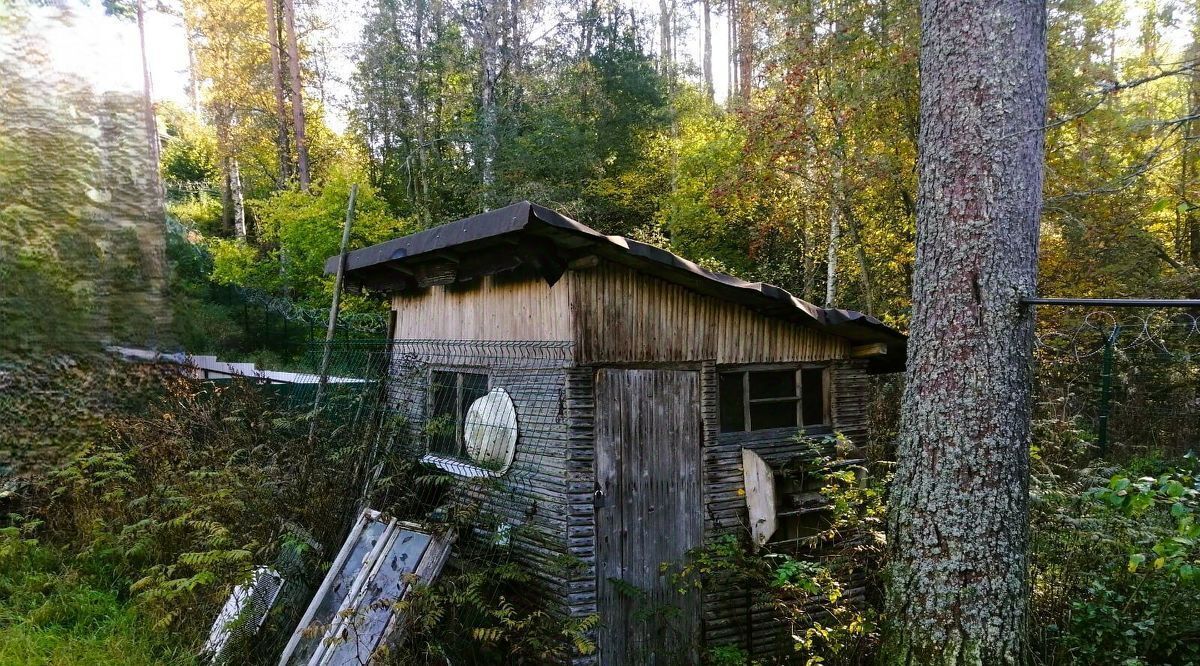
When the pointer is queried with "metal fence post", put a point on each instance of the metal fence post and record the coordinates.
(1106, 371)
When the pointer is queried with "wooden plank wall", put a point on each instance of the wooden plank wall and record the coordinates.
(623, 316)
(741, 617)
(491, 308)
(534, 492)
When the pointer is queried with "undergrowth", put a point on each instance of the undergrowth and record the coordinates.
(53, 611)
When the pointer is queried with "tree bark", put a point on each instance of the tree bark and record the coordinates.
(958, 522)
(420, 114)
(1191, 219)
(745, 49)
(731, 71)
(490, 30)
(282, 147)
(707, 65)
(835, 212)
(239, 202)
(860, 251)
(289, 20)
(664, 36)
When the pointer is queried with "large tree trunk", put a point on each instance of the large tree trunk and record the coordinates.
(707, 65)
(289, 20)
(958, 527)
(282, 147)
(745, 49)
(490, 31)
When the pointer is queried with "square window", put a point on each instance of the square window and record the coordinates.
(450, 396)
(763, 399)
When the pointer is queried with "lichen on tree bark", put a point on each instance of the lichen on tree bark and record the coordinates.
(958, 527)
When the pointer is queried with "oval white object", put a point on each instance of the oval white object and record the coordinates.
(490, 431)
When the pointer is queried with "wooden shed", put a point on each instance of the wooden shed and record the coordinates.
(636, 379)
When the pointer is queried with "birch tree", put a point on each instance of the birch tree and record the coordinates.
(958, 527)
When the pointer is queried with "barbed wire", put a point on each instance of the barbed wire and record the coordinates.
(1163, 332)
(360, 322)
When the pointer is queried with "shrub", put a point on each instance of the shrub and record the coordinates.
(1115, 567)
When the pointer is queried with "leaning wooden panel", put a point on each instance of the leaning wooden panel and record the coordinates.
(759, 483)
(351, 616)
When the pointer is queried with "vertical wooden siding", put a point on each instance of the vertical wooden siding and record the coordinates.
(648, 440)
(621, 316)
(490, 309)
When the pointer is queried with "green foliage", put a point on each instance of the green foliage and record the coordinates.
(202, 213)
(175, 502)
(810, 587)
(53, 613)
(482, 613)
(302, 231)
(1114, 568)
(190, 153)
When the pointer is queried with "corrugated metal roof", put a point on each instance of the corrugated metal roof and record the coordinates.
(527, 234)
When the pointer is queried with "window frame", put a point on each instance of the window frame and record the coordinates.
(459, 411)
(826, 424)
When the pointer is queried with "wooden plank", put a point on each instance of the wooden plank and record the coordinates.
(623, 316)
(648, 436)
(867, 351)
(492, 308)
(759, 482)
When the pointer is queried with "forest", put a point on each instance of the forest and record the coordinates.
(780, 142)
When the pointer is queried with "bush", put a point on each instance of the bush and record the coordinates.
(1115, 567)
(827, 591)
(202, 213)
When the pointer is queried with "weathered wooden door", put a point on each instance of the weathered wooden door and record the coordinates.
(648, 512)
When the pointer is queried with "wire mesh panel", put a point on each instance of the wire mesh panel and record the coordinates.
(464, 432)
(1120, 380)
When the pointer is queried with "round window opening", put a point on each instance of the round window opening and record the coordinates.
(490, 431)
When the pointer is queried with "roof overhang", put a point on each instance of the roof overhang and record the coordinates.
(528, 236)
